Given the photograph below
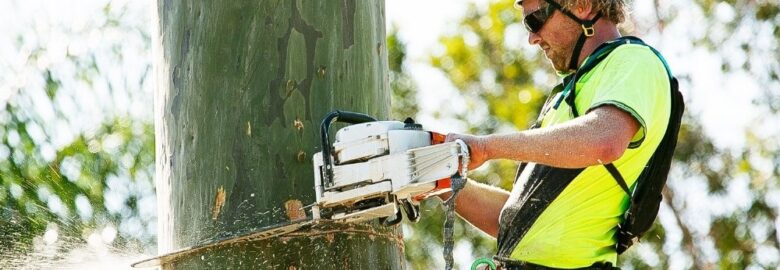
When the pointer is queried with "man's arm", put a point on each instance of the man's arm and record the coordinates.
(598, 137)
(480, 205)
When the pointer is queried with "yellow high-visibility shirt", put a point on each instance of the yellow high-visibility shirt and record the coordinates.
(578, 228)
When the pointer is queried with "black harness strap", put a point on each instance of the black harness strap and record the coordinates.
(518, 265)
(619, 178)
(544, 185)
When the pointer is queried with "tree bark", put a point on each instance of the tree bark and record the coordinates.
(241, 88)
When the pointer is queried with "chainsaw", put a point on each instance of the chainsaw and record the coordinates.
(373, 170)
(377, 169)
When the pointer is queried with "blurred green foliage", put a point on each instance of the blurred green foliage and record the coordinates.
(403, 101)
(75, 170)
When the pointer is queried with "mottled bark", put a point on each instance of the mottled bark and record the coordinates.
(241, 88)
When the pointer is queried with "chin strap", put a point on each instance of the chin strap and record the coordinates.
(587, 31)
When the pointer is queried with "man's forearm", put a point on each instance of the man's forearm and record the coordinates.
(595, 138)
(480, 205)
(537, 146)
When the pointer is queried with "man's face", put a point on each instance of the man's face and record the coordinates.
(556, 38)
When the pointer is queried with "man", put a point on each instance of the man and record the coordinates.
(565, 206)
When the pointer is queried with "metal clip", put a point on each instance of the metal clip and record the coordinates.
(588, 30)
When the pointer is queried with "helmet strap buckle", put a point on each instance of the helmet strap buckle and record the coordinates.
(588, 31)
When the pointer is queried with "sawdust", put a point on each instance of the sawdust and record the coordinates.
(219, 201)
(322, 229)
(294, 210)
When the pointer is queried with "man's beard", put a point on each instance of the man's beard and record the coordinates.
(560, 55)
(560, 59)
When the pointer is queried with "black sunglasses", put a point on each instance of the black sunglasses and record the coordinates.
(535, 20)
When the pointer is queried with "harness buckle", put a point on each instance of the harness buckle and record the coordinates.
(588, 30)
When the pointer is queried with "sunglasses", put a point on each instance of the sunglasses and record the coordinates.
(535, 20)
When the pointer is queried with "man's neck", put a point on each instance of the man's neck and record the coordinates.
(605, 31)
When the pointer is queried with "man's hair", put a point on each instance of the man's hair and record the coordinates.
(614, 10)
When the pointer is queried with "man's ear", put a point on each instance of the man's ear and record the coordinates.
(584, 10)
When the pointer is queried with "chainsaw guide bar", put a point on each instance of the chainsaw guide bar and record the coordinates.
(270, 232)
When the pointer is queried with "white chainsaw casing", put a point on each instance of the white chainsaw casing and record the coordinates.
(364, 141)
(383, 161)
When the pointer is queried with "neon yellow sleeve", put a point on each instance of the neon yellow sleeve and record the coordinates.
(631, 78)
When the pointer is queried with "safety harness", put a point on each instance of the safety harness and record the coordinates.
(545, 183)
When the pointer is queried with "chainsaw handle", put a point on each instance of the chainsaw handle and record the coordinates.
(336, 116)
(349, 117)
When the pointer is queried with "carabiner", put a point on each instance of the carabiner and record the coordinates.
(481, 261)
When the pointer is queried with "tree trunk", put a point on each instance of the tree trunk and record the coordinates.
(241, 88)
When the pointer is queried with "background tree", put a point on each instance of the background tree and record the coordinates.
(242, 88)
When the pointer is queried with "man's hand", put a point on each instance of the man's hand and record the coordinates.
(477, 154)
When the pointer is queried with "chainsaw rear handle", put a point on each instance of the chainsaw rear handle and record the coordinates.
(336, 116)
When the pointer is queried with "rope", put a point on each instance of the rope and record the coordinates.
(457, 182)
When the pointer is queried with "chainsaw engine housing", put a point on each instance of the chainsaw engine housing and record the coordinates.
(378, 167)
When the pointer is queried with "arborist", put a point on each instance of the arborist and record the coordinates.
(605, 135)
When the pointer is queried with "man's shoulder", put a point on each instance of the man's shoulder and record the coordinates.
(631, 60)
(633, 54)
